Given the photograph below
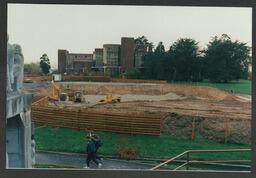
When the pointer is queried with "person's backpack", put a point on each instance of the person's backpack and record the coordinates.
(100, 143)
(97, 141)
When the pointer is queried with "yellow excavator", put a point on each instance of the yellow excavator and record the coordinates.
(78, 96)
(110, 99)
(58, 96)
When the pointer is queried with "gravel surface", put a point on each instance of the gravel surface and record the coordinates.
(170, 96)
(36, 85)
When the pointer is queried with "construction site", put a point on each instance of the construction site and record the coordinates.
(143, 107)
(147, 107)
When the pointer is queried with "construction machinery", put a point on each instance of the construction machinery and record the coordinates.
(110, 99)
(58, 96)
(78, 96)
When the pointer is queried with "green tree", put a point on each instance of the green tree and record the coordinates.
(45, 63)
(159, 67)
(135, 74)
(184, 60)
(33, 68)
(160, 48)
(144, 41)
(154, 63)
(226, 60)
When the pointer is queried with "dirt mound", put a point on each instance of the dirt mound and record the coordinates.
(45, 92)
(90, 88)
(151, 89)
(199, 91)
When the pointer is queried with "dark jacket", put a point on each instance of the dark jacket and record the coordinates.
(91, 147)
(95, 140)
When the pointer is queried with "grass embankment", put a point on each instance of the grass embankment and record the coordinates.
(164, 146)
(178, 126)
(240, 86)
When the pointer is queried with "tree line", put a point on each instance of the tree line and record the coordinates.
(221, 61)
(40, 68)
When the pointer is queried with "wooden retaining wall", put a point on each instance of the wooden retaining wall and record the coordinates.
(37, 97)
(40, 101)
(104, 122)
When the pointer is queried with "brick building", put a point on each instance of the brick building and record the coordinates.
(127, 54)
(98, 57)
(112, 59)
(79, 62)
(111, 55)
(71, 63)
(62, 57)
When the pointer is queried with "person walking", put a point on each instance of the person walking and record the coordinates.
(89, 130)
(98, 143)
(33, 151)
(91, 153)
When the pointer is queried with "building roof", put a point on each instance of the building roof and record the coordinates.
(127, 38)
(87, 54)
(97, 50)
(105, 45)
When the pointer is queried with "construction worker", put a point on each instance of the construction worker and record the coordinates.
(91, 153)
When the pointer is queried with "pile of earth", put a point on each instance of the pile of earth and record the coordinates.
(101, 88)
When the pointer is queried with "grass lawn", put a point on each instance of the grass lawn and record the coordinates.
(164, 146)
(240, 86)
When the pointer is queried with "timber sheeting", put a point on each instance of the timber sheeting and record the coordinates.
(98, 121)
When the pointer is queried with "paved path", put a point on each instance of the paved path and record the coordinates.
(78, 161)
(36, 85)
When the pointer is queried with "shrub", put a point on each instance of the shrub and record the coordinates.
(128, 153)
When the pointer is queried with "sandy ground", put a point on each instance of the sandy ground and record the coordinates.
(189, 107)
(212, 104)
(223, 106)
(169, 103)
(125, 98)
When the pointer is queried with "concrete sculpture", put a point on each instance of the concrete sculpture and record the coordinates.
(15, 68)
(10, 62)
(18, 109)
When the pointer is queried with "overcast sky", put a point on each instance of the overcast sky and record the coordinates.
(43, 29)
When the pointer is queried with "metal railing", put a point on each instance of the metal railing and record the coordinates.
(188, 162)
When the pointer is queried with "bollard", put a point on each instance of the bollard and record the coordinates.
(187, 161)
(226, 131)
(193, 129)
